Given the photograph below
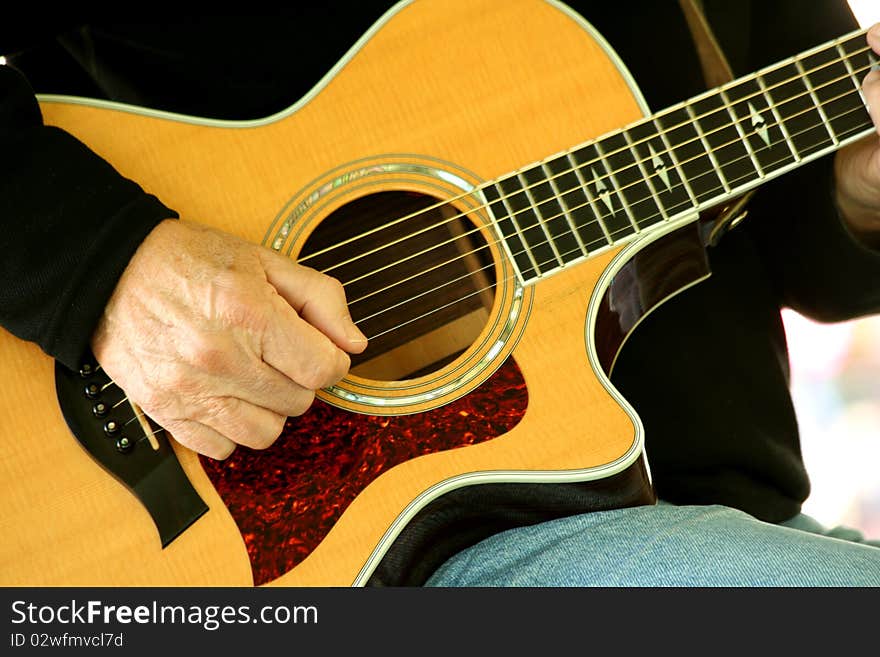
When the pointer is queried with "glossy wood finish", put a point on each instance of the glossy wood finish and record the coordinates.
(657, 272)
(493, 98)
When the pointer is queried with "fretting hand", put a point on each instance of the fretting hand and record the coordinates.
(219, 340)
(857, 166)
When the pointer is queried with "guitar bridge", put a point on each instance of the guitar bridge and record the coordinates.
(129, 446)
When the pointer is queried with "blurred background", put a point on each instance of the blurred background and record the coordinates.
(836, 389)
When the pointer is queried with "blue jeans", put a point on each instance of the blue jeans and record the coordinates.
(666, 545)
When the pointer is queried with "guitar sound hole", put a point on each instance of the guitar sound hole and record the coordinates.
(419, 288)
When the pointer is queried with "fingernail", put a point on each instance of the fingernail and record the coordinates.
(353, 333)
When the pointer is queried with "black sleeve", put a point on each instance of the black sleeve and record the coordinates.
(816, 265)
(68, 227)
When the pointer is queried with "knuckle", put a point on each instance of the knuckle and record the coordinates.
(237, 303)
(179, 382)
(193, 437)
(301, 402)
(343, 364)
(171, 379)
(182, 434)
(232, 418)
(215, 411)
(204, 353)
(335, 289)
(266, 436)
(322, 367)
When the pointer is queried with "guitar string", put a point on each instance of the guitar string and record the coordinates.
(161, 429)
(484, 289)
(577, 168)
(654, 117)
(558, 198)
(725, 108)
(576, 171)
(146, 418)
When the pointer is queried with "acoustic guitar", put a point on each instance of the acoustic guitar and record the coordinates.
(498, 242)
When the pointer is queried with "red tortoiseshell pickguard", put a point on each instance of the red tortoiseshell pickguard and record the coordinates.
(285, 499)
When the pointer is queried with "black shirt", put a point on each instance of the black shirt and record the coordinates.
(707, 373)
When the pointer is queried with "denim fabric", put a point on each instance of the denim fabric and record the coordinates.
(665, 545)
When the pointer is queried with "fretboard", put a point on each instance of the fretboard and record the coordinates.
(689, 157)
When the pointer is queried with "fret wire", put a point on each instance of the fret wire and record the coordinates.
(773, 105)
(670, 149)
(529, 221)
(647, 177)
(617, 189)
(527, 189)
(638, 161)
(778, 118)
(585, 187)
(612, 241)
(834, 88)
(827, 46)
(707, 147)
(867, 125)
(458, 300)
(591, 201)
(478, 292)
(812, 94)
(774, 67)
(499, 220)
(674, 159)
(661, 132)
(577, 202)
(565, 210)
(821, 48)
(815, 155)
(742, 135)
(551, 210)
(852, 74)
(512, 216)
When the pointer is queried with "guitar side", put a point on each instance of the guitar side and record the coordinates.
(500, 98)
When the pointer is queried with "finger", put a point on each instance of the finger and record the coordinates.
(300, 351)
(200, 438)
(240, 369)
(318, 298)
(871, 94)
(871, 82)
(240, 422)
(874, 37)
(262, 385)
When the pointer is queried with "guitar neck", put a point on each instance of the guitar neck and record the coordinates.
(684, 159)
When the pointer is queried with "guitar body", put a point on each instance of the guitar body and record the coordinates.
(501, 85)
